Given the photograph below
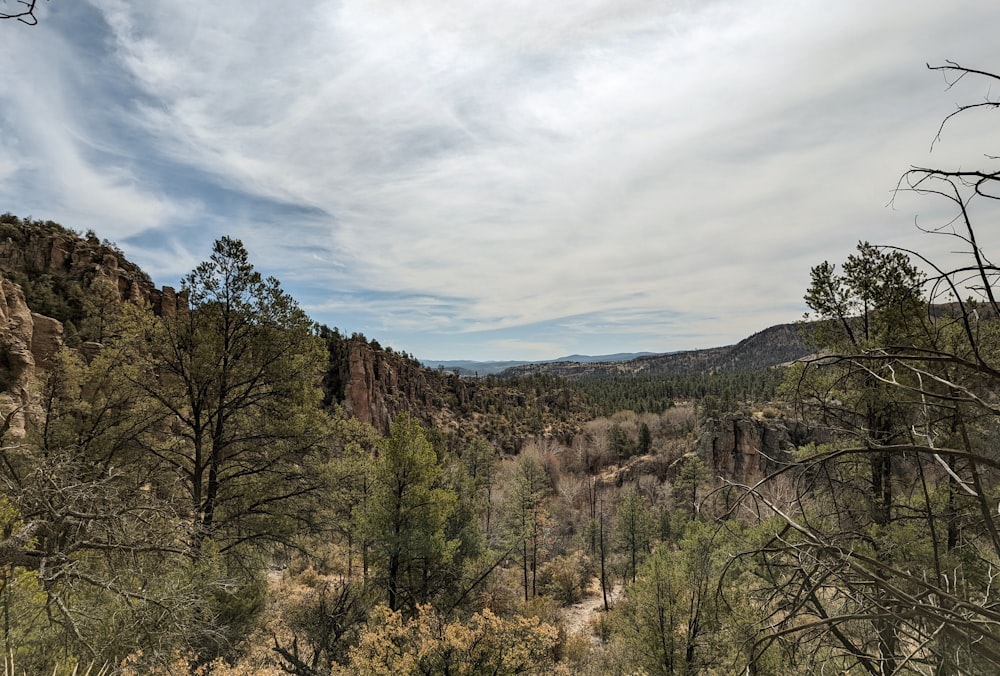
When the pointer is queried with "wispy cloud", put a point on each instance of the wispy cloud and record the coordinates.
(598, 175)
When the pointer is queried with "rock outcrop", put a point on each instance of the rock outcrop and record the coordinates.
(27, 340)
(58, 270)
(743, 447)
(377, 386)
(46, 338)
(46, 274)
(45, 250)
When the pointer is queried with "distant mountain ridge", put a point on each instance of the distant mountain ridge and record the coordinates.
(773, 346)
(468, 367)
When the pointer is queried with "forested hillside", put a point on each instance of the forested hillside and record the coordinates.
(723, 377)
(773, 346)
(208, 482)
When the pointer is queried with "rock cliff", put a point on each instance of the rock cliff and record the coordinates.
(49, 275)
(46, 273)
(55, 266)
(376, 385)
(743, 447)
(27, 340)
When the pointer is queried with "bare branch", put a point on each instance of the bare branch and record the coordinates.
(26, 14)
(957, 73)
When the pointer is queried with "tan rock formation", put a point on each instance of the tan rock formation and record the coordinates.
(46, 338)
(378, 387)
(34, 249)
(17, 361)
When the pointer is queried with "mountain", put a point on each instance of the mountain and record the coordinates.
(619, 356)
(773, 346)
(465, 367)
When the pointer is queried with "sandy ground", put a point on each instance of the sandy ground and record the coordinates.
(577, 617)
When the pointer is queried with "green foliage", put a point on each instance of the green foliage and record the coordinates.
(876, 299)
(235, 379)
(633, 532)
(346, 484)
(670, 609)
(101, 309)
(565, 578)
(693, 473)
(53, 296)
(645, 443)
(232, 608)
(620, 442)
(693, 609)
(526, 518)
(899, 493)
(94, 542)
(658, 392)
(403, 520)
(145, 470)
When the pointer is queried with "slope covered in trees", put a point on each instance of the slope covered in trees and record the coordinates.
(773, 346)
(751, 370)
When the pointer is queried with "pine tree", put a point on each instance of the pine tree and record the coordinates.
(404, 518)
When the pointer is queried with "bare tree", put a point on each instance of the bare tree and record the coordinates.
(885, 560)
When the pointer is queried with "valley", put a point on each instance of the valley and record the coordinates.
(202, 479)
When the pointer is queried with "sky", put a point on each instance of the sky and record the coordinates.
(490, 180)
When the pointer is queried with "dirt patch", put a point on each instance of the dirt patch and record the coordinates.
(577, 618)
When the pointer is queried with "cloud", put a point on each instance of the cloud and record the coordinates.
(53, 162)
(656, 173)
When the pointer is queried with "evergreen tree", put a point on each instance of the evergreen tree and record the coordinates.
(526, 518)
(404, 518)
(692, 475)
(633, 530)
(645, 439)
(235, 380)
